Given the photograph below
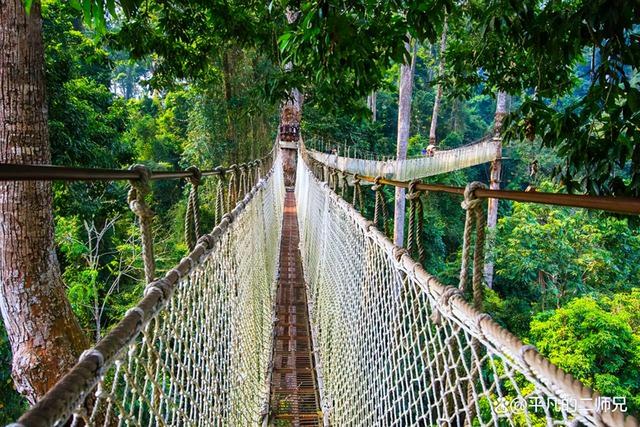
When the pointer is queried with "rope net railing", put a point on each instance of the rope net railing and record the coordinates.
(394, 347)
(441, 161)
(196, 349)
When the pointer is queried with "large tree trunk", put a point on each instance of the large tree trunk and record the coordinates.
(404, 124)
(45, 336)
(494, 184)
(438, 98)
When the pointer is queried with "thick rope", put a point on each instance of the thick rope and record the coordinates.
(357, 195)
(259, 171)
(380, 207)
(344, 185)
(137, 203)
(333, 179)
(242, 190)
(473, 206)
(219, 208)
(232, 191)
(192, 216)
(416, 221)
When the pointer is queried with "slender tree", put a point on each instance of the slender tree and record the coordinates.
(494, 184)
(404, 124)
(438, 98)
(44, 334)
(372, 102)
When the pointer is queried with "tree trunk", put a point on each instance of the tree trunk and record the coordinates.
(438, 98)
(228, 65)
(372, 104)
(44, 334)
(404, 124)
(494, 184)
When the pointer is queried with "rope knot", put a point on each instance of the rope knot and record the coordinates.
(139, 189)
(471, 201)
(398, 252)
(481, 317)
(413, 192)
(99, 359)
(445, 297)
(523, 350)
(137, 203)
(144, 177)
(376, 185)
(357, 193)
(416, 221)
(449, 293)
(196, 176)
(380, 206)
(220, 171)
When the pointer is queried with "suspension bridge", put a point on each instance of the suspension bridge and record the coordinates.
(296, 310)
(441, 161)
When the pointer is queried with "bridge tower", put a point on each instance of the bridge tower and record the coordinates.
(288, 137)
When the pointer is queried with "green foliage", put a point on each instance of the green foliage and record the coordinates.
(12, 405)
(597, 346)
(591, 253)
(341, 50)
(180, 83)
(541, 49)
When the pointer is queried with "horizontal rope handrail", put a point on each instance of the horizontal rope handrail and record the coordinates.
(17, 172)
(624, 205)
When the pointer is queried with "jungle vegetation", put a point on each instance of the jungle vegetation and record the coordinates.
(171, 84)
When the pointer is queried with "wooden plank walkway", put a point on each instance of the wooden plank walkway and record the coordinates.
(294, 391)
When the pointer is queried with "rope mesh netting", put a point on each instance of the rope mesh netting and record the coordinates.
(441, 161)
(196, 349)
(395, 347)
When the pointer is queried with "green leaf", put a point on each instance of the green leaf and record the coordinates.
(86, 10)
(111, 7)
(27, 6)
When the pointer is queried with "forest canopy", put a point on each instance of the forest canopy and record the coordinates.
(171, 84)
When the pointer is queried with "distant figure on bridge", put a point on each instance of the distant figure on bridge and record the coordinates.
(334, 151)
(431, 150)
(424, 151)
